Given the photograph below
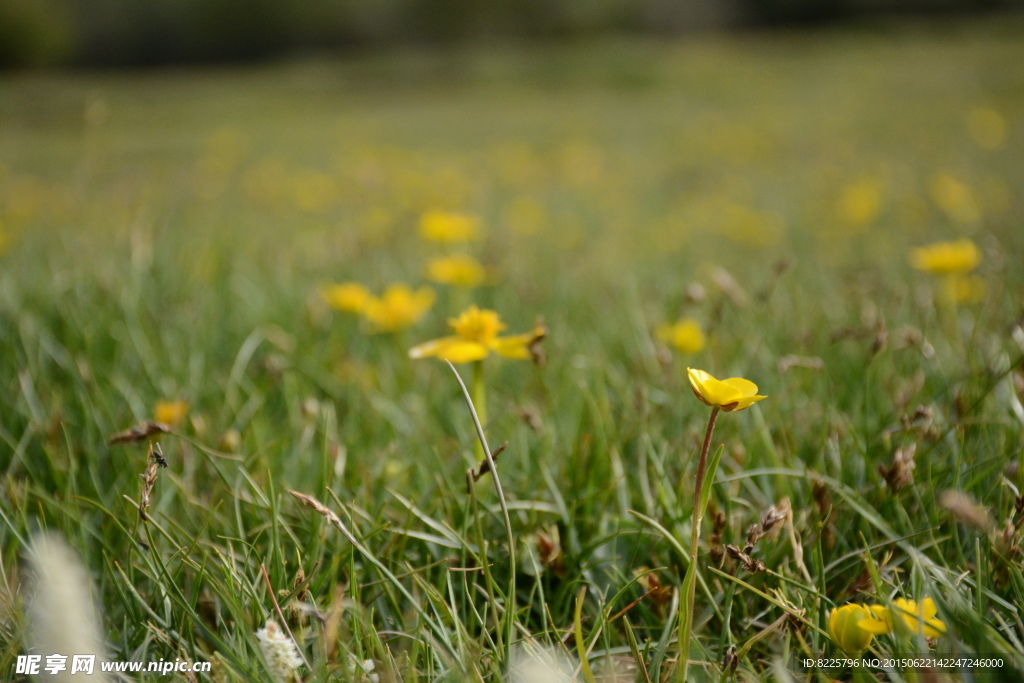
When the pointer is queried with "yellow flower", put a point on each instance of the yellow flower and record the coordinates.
(461, 270)
(447, 226)
(684, 334)
(845, 629)
(350, 297)
(955, 198)
(398, 307)
(919, 619)
(476, 336)
(730, 394)
(170, 412)
(946, 258)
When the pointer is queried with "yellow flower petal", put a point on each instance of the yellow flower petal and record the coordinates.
(476, 335)
(697, 379)
(933, 628)
(463, 351)
(429, 349)
(350, 297)
(744, 386)
(742, 403)
(447, 226)
(730, 395)
(477, 324)
(518, 346)
(454, 348)
(170, 412)
(398, 307)
(460, 270)
(920, 618)
(914, 618)
(877, 622)
(946, 258)
(685, 335)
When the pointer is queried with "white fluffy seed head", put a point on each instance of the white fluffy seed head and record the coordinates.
(539, 665)
(61, 610)
(279, 650)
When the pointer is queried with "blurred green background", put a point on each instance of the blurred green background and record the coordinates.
(148, 32)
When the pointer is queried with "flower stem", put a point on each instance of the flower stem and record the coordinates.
(690, 584)
(510, 599)
(480, 402)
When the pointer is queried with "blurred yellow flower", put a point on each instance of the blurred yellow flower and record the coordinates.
(685, 335)
(476, 336)
(730, 394)
(845, 629)
(861, 202)
(350, 297)
(461, 270)
(946, 258)
(447, 226)
(918, 619)
(955, 198)
(398, 307)
(170, 412)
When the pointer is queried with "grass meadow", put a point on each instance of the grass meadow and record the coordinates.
(170, 242)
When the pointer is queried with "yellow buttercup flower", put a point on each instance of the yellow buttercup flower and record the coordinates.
(946, 258)
(685, 335)
(170, 412)
(448, 226)
(919, 619)
(730, 394)
(350, 297)
(476, 336)
(461, 270)
(845, 629)
(398, 307)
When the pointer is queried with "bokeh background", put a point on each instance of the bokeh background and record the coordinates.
(139, 32)
(185, 185)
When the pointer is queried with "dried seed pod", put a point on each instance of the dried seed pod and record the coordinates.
(156, 461)
(729, 660)
(142, 432)
(749, 563)
(901, 472)
(769, 521)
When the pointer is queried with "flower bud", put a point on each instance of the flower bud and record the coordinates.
(844, 627)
